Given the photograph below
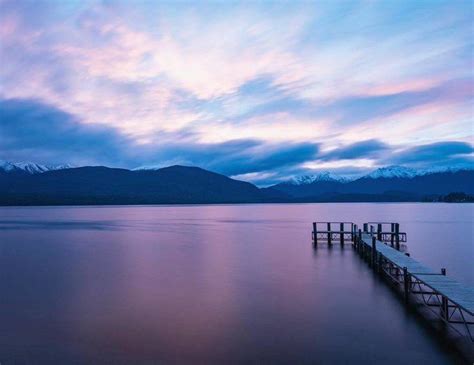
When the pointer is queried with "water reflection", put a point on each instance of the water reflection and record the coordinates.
(210, 284)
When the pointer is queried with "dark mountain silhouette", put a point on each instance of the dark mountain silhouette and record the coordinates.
(103, 185)
(193, 185)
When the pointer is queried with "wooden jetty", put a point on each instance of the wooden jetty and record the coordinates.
(379, 244)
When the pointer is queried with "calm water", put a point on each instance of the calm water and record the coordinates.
(214, 284)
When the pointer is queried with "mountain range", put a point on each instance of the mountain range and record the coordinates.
(34, 184)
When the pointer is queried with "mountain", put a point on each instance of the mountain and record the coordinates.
(395, 181)
(103, 185)
(29, 167)
(33, 184)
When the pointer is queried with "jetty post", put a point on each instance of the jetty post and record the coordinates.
(374, 252)
(329, 234)
(444, 302)
(359, 239)
(315, 234)
(392, 236)
(406, 284)
(341, 234)
(397, 236)
(379, 231)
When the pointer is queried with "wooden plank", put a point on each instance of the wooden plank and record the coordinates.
(400, 259)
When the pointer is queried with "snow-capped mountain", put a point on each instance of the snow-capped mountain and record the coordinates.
(401, 182)
(30, 167)
(145, 168)
(322, 176)
(393, 172)
(452, 169)
(409, 173)
(388, 172)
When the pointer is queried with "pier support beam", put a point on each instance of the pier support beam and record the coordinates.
(374, 253)
(397, 236)
(406, 285)
(359, 241)
(329, 234)
(444, 302)
(315, 234)
(392, 236)
(341, 234)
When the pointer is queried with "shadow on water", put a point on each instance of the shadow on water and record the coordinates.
(57, 224)
(94, 225)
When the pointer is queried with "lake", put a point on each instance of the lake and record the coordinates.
(215, 284)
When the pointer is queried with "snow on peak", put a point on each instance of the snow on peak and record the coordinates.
(322, 176)
(146, 168)
(393, 172)
(452, 169)
(7, 166)
(30, 167)
(61, 167)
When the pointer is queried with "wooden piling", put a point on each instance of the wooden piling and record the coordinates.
(379, 232)
(366, 227)
(374, 252)
(315, 234)
(444, 302)
(359, 240)
(392, 236)
(341, 234)
(397, 236)
(406, 284)
(329, 234)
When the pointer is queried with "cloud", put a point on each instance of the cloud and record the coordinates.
(365, 149)
(262, 90)
(266, 158)
(444, 153)
(30, 129)
(358, 109)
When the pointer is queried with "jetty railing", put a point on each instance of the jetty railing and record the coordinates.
(342, 232)
(387, 232)
(333, 232)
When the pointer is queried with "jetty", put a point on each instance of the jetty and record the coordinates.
(381, 245)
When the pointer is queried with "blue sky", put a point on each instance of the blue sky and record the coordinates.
(261, 91)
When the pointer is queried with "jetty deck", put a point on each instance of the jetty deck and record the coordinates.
(449, 300)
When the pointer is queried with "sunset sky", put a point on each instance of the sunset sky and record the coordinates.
(260, 91)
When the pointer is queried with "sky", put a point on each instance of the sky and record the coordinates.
(260, 91)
